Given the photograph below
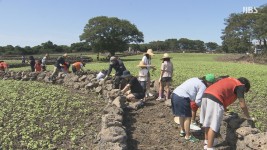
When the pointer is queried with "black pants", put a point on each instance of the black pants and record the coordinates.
(32, 68)
(74, 70)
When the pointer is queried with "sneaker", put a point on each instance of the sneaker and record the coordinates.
(192, 139)
(193, 126)
(150, 94)
(182, 134)
(215, 142)
(159, 99)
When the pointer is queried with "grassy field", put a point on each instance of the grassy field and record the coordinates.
(186, 66)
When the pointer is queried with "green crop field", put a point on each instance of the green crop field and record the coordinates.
(39, 116)
(26, 107)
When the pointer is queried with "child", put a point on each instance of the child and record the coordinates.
(38, 66)
(101, 75)
(143, 73)
(65, 68)
(165, 76)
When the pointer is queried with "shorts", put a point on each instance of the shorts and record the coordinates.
(211, 114)
(166, 79)
(139, 95)
(181, 106)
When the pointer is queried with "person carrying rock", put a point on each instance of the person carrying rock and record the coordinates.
(191, 89)
(133, 90)
(77, 66)
(4, 66)
(119, 67)
(59, 65)
(215, 101)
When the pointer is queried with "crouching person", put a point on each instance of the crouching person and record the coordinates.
(215, 100)
(133, 90)
(78, 66)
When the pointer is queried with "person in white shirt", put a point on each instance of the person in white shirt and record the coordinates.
(191, 90)
(147, 61)
(142, 75)
(44, 62)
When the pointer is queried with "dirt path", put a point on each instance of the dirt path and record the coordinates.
(152, 127)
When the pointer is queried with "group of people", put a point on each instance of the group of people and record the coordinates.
(211, 95)
(138, 88)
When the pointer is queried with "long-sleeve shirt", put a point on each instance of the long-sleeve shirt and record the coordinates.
(192, 88)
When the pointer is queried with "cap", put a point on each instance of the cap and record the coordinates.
(210, 78)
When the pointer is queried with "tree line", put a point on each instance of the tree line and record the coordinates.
(242, 29)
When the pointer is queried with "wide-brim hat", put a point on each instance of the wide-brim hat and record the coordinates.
(66, 55)
(141, 64)
(176, 120)
(149, 52)
(166, 55)
(126, 74)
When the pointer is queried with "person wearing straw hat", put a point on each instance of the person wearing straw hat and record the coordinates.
(133, 90)
(191, 89)
(59, 65)
(147, 61)
(142, 76)
(165, 76)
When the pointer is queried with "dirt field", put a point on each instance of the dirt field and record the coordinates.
(152, 127)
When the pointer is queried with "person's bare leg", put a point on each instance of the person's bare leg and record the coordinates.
(160, 90)
(211, 136)
(168, 90)
(187, 127)
(182, 119)
(193, 120)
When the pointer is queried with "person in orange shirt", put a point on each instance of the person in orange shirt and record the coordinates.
(4, 66)
(78, 66)
(38, 66)
(215, 100)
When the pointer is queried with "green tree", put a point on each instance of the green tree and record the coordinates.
(172, 44)
(211, 46)
(239, 32)
(260, 28)
(110, 34)
(80, 46)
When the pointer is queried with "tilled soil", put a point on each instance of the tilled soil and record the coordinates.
(152, 127)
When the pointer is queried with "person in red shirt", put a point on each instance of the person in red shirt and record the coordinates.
(215, 100)
(38, 66)
(4, 66)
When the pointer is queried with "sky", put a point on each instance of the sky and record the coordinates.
(32, 22)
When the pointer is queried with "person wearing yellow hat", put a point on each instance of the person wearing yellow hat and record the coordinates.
(147, 61)
(165, 76)
(190, 90)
